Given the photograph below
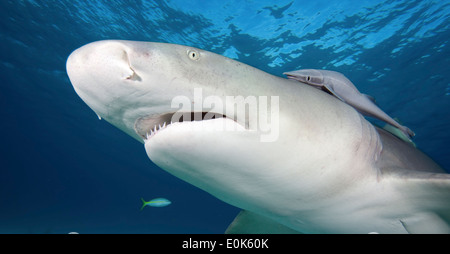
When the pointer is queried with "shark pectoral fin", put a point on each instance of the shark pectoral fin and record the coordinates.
(251, 223)
(425, 223)
(430, 195)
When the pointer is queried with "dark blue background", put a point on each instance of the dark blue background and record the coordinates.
(63, 170)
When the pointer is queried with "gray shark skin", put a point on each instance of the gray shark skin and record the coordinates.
(341, 87)
(327, 171)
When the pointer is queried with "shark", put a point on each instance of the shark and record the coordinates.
(292, 157)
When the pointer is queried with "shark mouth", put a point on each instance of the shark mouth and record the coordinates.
(148, 126)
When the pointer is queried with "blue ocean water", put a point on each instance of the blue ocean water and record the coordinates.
(63, 170)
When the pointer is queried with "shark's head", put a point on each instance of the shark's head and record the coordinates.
(135, 86)
(252, 134)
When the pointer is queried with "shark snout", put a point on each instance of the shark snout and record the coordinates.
(102, 74)
(101, 67)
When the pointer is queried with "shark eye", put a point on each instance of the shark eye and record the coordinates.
(308, 78)
(193, 54)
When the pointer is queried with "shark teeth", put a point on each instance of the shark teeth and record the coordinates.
(155, 130)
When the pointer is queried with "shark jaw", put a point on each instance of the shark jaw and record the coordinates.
(149, 126)
(251, 113)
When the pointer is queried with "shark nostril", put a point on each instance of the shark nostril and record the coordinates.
(125, 57)
(133, 76)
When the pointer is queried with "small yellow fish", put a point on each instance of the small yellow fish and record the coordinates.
(157, 202)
